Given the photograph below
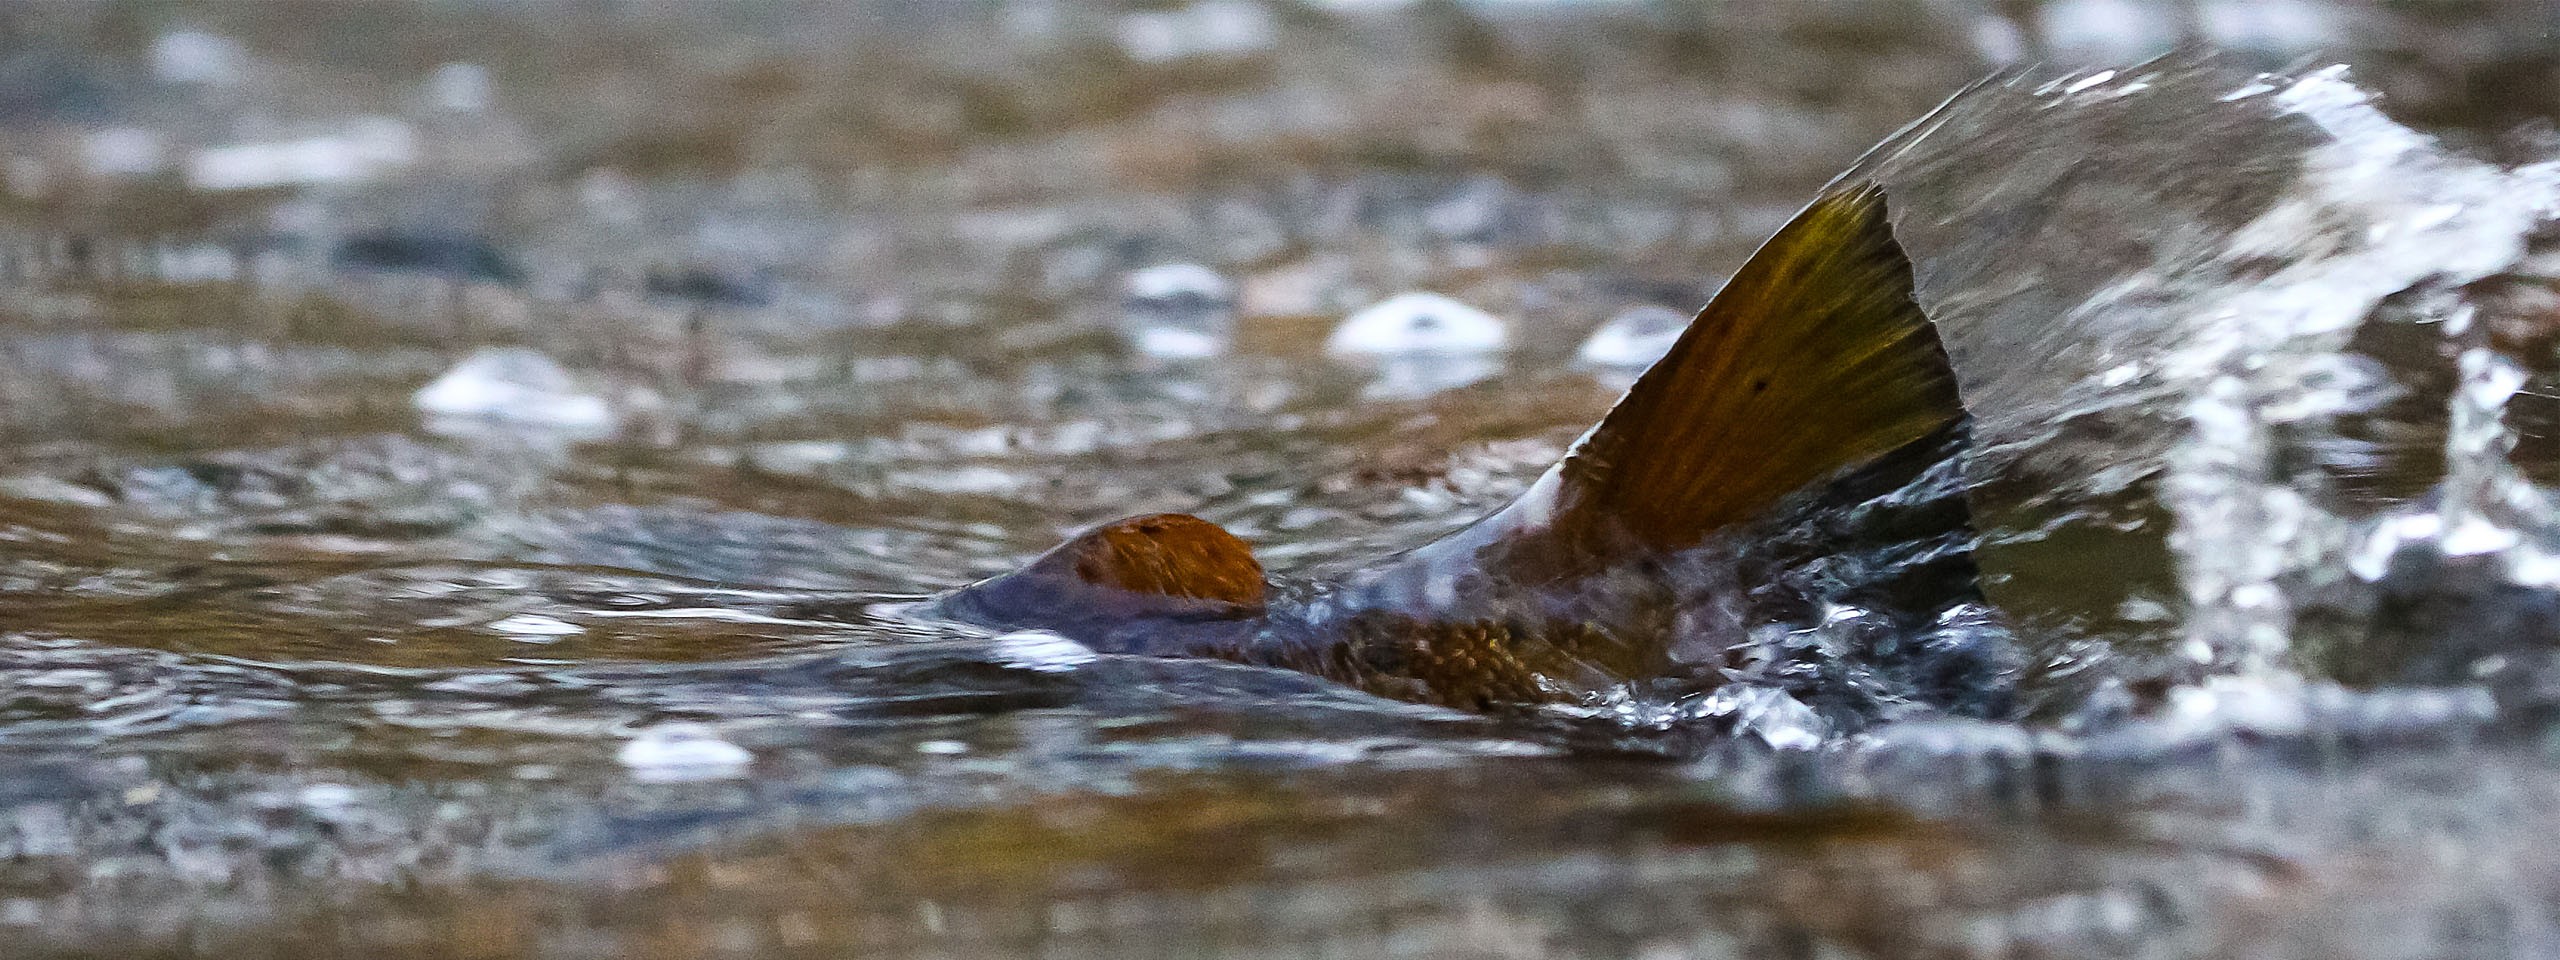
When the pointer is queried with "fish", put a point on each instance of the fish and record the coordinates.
(1814, 369)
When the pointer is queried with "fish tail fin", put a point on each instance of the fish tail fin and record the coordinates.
(1813, 360)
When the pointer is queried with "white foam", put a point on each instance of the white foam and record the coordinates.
(1636, 337)
(536, 628)
(1296, 289)
(1779, 720)
(514, 387)
(1179, 310)
(194, 56)
(366, 148)
(1176, 343)
(461, 87)
(1405, 376)
(1170, 280)
(125, 151)
(1217, 28)
(328, 797)
(683, 752)
(1411, 323)
(1041, 652)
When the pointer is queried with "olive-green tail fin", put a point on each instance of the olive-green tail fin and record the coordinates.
(1813, 360)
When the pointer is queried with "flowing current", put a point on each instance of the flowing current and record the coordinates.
(460, 613)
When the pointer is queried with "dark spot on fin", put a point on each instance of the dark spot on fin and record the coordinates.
(1813, 360)
(1159, 566)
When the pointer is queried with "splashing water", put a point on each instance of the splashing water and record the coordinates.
(2211, 391)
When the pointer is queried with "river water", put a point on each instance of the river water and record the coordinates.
(461, 471)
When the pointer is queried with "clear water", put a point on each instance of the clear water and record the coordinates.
(323, 629)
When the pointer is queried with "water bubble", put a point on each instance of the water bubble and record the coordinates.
(1178, 311)
(461, 87)
(1779, 720)
(683, 752)
(197, 57)
(1040, 651)
(1215, 29)
(513, 387)
(328, 800)
(1634, 338)
(364, 148)
(1417, 323)
(536, 628)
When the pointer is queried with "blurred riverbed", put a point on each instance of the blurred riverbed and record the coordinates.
(458, 464)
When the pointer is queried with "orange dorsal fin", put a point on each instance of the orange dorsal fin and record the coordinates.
(1169, 555)
(1813, 360)
(1158, 566)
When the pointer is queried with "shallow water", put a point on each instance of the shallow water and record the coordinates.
(616, 662)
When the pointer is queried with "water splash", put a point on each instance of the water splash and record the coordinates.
(2387, 211)
(2206, 398)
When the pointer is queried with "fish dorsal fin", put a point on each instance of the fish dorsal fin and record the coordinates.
(1158, 566)
(1814, 359)
(1171, 555)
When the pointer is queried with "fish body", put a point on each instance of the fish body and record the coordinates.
(1813, 373)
